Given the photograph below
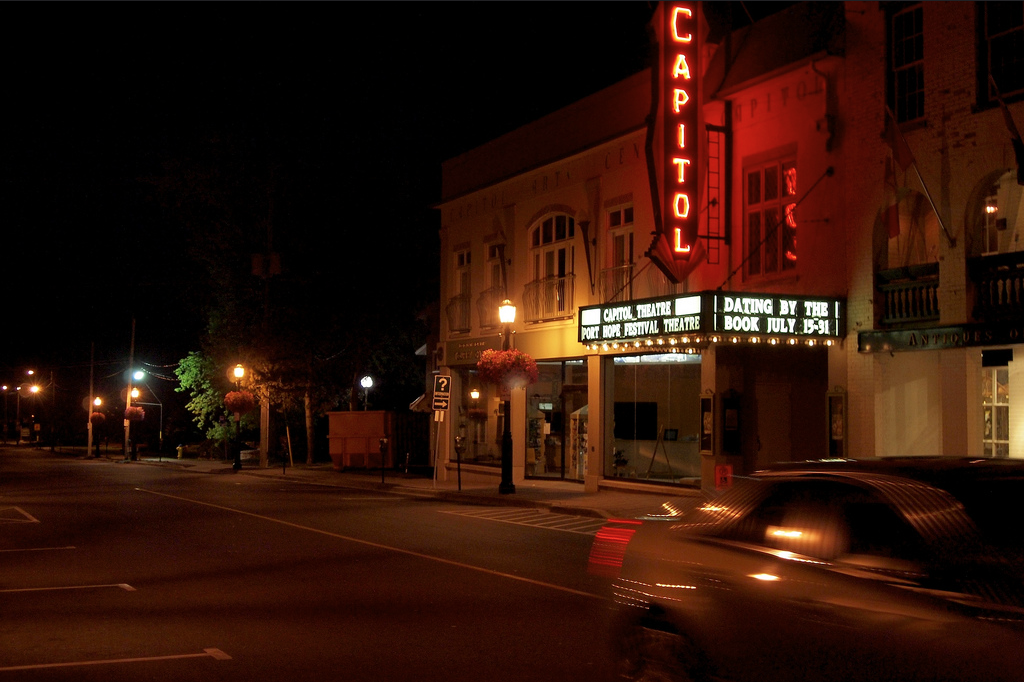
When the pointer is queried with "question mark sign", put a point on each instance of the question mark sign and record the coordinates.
(443, 381)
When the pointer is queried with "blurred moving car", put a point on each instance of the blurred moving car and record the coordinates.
(889, 569)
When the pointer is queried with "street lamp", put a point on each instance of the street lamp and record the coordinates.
(6, 424)
(95, 404)
(367, 383)
(507, 315)
(31, 389)
(238, 372)
(127, 406)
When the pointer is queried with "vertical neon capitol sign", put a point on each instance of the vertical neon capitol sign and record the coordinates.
(681, 109)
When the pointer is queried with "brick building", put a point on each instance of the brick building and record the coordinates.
(798, 276)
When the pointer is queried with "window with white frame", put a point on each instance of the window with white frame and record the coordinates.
(620, 236)
(906, 62)
(550, 295)
(463, 279)
(995, 407)
(770, 238)
(494, 256)
(552, 247)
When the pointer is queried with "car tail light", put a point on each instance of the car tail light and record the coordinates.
(609, 548)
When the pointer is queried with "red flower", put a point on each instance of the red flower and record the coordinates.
(134, 414)
(511, 368)
(97, 418)
(239, 401)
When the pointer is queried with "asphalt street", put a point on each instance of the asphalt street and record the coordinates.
(115, 571)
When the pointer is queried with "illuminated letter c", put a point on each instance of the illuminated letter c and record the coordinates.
(676, 11)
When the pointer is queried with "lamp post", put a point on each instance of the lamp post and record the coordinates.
(96, 403)
(31, 389)
(135, 393)
(6, 424)
(17, 418)
(507, 315)
(129, 394)
(367, 383)
(238, 372)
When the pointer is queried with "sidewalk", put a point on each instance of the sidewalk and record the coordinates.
(613, 499)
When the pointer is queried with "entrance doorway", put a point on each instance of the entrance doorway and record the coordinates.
(556, 438)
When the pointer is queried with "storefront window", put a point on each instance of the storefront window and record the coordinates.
(480, 421)
(556, 425)
(655, 415)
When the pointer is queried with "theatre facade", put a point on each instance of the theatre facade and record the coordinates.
(709, 271)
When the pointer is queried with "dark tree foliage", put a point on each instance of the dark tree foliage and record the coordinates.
(295, 286)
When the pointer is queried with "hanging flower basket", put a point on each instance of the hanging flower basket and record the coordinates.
(97, 418)
(509, 368)
(134, 414)
(239, 401)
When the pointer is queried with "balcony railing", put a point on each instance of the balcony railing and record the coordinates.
(998, 286)
(910, 295)
(549, 299)
(616, 284)
(458, 313)
(487, 306)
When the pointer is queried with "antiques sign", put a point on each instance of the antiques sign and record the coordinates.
(939, 338)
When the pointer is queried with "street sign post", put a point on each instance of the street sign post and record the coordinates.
(442, 392)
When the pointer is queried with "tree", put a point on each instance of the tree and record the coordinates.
(304, 331)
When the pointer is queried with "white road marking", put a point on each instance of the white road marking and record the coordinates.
(16, 515)
(123, 586)
(215, 654)
(534, 518)
(399, 550)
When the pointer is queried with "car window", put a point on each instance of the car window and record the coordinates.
(796, 516)
(827, 520)
(877, 530)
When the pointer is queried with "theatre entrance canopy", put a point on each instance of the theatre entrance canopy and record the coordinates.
(688, 322)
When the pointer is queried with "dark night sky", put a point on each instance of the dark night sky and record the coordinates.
(354, 105)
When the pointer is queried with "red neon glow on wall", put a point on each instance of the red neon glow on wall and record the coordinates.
(681, 69)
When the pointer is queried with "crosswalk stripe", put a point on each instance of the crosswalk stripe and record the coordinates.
(566, 523)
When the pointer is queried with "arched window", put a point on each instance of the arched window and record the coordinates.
(552, 254)
(995, 220)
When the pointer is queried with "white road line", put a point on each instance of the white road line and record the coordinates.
(36, 549)
(123, 586)
(11, 515)
(399, 550)
(565, 523)
(215, 654)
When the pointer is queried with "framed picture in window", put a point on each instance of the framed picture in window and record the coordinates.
(836, 422)
(707, 423)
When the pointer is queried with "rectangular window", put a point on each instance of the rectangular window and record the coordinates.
(618, 279)
(771, 244)
(906, 63)
(1001, 53)
(495, 254)
(995, 407)
(462, 272)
